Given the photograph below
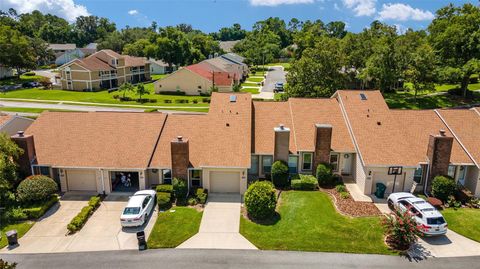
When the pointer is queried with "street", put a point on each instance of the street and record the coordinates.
(275, 74)
(211, 259)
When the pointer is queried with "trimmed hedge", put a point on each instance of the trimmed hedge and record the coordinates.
(442, 187)
(180, 93)
(260, 200)
(168, 188)
(36, 188)
(81, 218)
(38, 211)
(180, 189)
(280, 174)
(201, 195)
(164, 200)
(305, 183)
(324, 174)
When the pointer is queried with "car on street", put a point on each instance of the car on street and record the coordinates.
(428, 217)
(32, 84)
(278, 87)
(138, 208)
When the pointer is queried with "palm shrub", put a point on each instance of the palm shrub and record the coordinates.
(36, 188)
(324, 174)
(279, 174)
(401, 229)
(260, 200)
(443, 187)
(180, 189)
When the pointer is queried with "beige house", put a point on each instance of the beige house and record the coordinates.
(104, 69)
(238, 140)
(195, 79)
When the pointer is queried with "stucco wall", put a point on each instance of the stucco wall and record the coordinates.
(183, 80)
(472, 180)
(404, 181)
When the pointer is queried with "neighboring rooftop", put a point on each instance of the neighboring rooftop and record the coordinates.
(227, 46)
(94, 63)
(219, 78)
(62, 46)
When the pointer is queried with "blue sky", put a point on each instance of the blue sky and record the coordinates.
(211, 15)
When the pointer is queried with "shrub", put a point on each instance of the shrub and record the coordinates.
(201, 195)
(167, 101)
(341, 188)
(180, 189)
(36, 212)
(116, 96)
(94, 202)
(152, 100)
(324, 174)
(195, 101)
(442, 187)
(36, 189)
(344, 195)
(206, 100)
(306, 182)
(165, 188)
(260, 200)
(192, 201)
(279, 174)
(150, 110)
(29, 74)
(164, 200)
(7, 265)
(15, 214)
(81, 218)
(401, 229)
(179, 93)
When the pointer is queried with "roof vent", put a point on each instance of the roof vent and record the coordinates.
(20, 133)
(179, 138)
(363, 97)
(233, 98)
(442, 132)
(379, 123)
(227, 124)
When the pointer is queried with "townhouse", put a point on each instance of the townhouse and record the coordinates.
(238, 140)
(104, 69)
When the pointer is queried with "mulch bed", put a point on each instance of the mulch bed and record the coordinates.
(351, 207)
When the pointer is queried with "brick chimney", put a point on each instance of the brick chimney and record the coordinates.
(323, 144)
(282, 143)
(26, 143)
(438, 153)
(180, 157)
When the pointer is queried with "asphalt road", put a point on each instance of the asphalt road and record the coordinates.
(212, 259)
(275, 74)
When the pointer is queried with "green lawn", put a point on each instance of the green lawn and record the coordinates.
(438, 88)
(173, 228)
(406, 101)
(249, 84)
(309, 222)
(465, 221)
(250, 79)
(286, 66)
(21, 228)
(157, 77)
(103, 97)
(250, 90)
(22, 79)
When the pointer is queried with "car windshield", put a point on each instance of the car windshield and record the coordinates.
(435, 221)
(131, 210)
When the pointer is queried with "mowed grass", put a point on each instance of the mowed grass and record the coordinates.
(173, 228)
(309, 222)
(22, 79)
(31, 109)
(22, 228)
(158, 76)
(249, 84)
(103, 97)
(254, 79)
(465, 221)
(403, 101)
(250, 90)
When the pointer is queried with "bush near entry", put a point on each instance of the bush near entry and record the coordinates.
(324, 175)
(305, 182)
(279, 174)
(443, 187)
(180, 189)
(260, 200)
(164, 200)
(201, 195)
(165, 188)
(36, 189)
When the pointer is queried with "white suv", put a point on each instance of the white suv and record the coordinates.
(427, 216)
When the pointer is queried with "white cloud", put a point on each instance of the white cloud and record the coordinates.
(66, 9)
(272, 3)
(403, 12)
(336, 7)
(361, 7)
(133, 12)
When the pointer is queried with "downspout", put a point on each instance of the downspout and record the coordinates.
(103, 181)
(425, 184)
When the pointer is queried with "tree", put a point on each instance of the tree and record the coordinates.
(319, 72)
(126, 87)
(9, 151)
(43, 54)
(141, 90)
(455, 35)
(92, 28)
(15, 49)
(172, 46)
(137, 48)
(336, 29)
(235, 32)
(260, 46)
(421, 69)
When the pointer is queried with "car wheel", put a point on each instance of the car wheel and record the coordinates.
(390, 204)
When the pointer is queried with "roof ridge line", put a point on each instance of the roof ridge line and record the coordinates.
(456, 138)
(158, 140)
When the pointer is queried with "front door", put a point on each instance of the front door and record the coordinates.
(347, 164)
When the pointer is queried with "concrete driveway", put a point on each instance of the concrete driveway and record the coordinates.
(220, 225)
(101, 232)
(450, 245)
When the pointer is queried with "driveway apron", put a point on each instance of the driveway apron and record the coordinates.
(220, 225)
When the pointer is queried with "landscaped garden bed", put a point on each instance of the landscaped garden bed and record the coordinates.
(348, 206)
(81, 218)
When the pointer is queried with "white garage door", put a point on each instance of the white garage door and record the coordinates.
(78, 180)
(225, 182)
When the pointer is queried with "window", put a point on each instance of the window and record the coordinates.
(307, 161)
(451, 171)
(267, 164)
(334, 162)
(253, 165)
(461, 175)
(196, 178)
(41, 170)
(167, 176)
(418, 175)
(293, 164)
(145, 202)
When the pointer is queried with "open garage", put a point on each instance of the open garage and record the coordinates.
(226, 182)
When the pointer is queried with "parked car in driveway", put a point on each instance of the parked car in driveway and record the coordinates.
(428, 217)
(278, 87)
(138, 208)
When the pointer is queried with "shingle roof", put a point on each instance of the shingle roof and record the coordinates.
(93, 63)
(5, 118)
(96, 139)
(62, 46)
(466, 126)
(220, 78)
(217, 139)
(134, 61)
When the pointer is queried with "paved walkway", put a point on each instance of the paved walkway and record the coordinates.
(220, 225)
